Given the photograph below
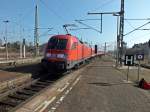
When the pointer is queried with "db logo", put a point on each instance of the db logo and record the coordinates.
(139, 56)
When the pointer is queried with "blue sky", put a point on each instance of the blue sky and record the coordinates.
(55, 13)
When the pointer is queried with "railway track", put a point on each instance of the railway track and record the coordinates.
(145, 66)
(142, 65)
(14, 98)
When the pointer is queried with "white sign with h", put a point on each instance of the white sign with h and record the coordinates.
(129, 60)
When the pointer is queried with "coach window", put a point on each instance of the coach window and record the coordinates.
(74, 45)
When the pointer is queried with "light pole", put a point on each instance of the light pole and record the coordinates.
(5, 38)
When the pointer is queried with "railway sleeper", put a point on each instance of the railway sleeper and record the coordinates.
(19, 97)
(42, 83)
(12, 100)
(12, 104)
(33, 89)
(47, 81)
(38, 86)
(5, 108)
(26, 93)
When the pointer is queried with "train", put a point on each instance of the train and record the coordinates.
(64, 52)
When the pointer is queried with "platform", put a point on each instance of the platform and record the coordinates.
(102, 88)
(9, 80)
(20, 61)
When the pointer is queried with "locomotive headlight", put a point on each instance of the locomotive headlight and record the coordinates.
(61, 56)
(48, 55)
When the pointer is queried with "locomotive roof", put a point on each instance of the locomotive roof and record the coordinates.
(63, 36)
(68, 36)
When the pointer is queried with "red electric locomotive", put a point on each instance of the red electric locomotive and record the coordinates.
(65, 52)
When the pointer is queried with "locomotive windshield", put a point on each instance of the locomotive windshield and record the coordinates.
(57, 43)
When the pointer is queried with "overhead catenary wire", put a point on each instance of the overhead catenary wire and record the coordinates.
(44, 33)
(67, 10)
(15, 24)
(135, 19)
(147, 34)
(79, 29)
(29, 11)
(141, 19)
(60, 18)
(137, 28)
(104, 4)
(88, 19)
(92, 28)
(144, 29)
(87, 28)
(130, 24)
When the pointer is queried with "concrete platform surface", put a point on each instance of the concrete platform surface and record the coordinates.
(102, 88)
(20, 61)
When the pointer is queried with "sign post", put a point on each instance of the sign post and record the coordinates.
(128, 74)
(138, 71)
(129, 61)
(139, 57)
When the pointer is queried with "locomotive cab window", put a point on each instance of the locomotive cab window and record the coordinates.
(74, 45)
(56, 43)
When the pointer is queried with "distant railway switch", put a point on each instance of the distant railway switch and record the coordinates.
(129, 60)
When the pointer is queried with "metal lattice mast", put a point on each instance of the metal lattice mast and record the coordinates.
(36, 34)
(5, 38)
(121, 31)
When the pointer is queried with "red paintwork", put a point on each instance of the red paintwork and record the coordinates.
(82, 51)
(146, 85)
